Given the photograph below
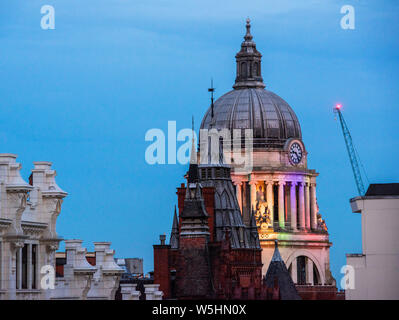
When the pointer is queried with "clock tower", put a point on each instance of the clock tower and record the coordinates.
(280, 189)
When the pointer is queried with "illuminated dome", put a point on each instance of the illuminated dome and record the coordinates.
(250, 106)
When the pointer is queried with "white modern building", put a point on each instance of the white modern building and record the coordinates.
(376, 270)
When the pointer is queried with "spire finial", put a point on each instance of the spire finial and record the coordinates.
(174, 235)
(248, 36)
(276, 254)
(193, 156)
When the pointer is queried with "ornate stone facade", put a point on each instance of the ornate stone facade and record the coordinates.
(28, 242)
(81, 280)
(28, 237)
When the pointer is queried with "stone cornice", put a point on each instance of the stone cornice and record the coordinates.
(34, 225)
(33, 228)
(51, 241)
(296, 243)
(5, 223)
(18, 240)
(295, 236)
(264, 173)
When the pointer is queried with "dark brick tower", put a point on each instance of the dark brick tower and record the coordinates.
(212, 254)
(193, 274)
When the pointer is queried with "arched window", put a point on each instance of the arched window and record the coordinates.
(244, 69)
(256, 69)
(306, 272)
(301, 269)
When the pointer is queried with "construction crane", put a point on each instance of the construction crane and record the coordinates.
(351, 151)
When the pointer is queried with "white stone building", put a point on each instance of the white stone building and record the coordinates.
(81, 280)
(376, 269)
(28, 237)
(28, 242)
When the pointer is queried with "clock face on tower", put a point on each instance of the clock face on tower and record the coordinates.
(295, 153)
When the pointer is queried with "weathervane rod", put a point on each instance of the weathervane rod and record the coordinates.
(211, 90)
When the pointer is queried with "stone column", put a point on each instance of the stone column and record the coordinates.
(294, 271)
(239, 195)
(301, 200)
(29, 267)
(281, 220)
(19, 268)
(293, 206)
(309, 271)
(252, 184)
(245, 202)
(313, 207)
(10, 268)
(270, 200)
(307, 207)
(39, 263)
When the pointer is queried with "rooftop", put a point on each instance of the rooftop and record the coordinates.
(383, 189)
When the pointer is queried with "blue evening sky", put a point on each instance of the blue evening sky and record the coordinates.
(84, 95)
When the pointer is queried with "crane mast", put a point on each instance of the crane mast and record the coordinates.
(351, 151)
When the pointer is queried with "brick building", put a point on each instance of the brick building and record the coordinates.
(212, 253)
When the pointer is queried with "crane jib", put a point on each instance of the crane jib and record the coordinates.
(351, 153)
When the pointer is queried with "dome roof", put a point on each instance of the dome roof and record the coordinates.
(271, 118)
(250, 106)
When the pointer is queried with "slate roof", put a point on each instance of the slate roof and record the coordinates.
(278, 270)
(227, 211)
